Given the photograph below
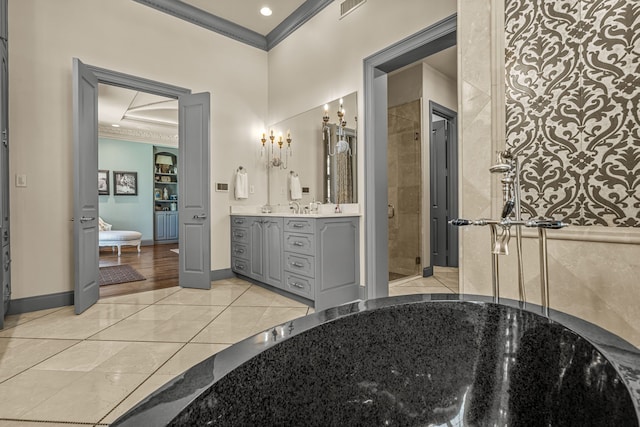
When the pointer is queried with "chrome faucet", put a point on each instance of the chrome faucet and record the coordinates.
(295, 206)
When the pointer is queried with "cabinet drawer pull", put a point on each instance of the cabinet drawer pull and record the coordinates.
(297, 285)
(238, 234)
(296, 243)
(238, 221)
(296, 225)
(239, 267)
(297, 264)
(239, 251)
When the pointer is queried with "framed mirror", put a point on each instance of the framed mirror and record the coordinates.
(324, 154)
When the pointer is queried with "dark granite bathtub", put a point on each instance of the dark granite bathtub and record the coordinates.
(420, 360)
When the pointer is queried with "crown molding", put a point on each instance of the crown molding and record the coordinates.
(237, 32)
(294, 21)
(137, 135)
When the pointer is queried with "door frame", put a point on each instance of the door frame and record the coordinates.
(452, 188)
(432, 39)
(129, 81)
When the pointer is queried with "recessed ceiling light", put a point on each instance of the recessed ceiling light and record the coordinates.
(115, 125)
(265, 11)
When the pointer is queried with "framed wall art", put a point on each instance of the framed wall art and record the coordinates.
(103, 182)
(125, 183)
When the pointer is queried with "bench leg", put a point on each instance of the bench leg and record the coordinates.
(138, 247)
(119, 249)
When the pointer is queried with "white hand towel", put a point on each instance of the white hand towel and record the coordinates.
(242, 186)
(295, 188)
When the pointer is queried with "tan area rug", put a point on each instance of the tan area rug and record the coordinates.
(119, 274)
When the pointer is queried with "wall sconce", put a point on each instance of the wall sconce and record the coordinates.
(280, 160)
(342, 146)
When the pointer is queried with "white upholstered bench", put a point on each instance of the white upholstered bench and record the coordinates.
(117, 238)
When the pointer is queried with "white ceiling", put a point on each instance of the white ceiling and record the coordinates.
(247, 12)
(139, 116)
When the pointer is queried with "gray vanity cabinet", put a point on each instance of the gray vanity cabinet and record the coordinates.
(256, 248)
(266, 250)
(240, 255)
(316, 258)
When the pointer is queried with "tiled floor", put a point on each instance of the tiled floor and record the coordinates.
(444, 280)
(56, 367)
(89, 369)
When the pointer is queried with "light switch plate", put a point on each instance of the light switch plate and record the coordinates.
(21, 180)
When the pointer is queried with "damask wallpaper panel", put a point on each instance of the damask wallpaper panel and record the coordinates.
(572, 108)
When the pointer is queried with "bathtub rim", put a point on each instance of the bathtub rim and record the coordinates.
(153, 411)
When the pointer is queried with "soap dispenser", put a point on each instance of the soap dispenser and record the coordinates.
(313, 206)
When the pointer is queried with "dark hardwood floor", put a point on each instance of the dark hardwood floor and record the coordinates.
(156, 263)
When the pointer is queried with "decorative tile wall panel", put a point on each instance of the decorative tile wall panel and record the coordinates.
(572, 108)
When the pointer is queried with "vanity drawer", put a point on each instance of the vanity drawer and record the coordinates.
(242, 221)
(300, 264)
(239, 250)
(240, 266)
(299, 225)
(299, 285)
(240, 235)
(299, 243)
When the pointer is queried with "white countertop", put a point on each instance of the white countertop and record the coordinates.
(324, 211)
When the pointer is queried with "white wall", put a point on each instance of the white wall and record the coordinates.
(128, 37)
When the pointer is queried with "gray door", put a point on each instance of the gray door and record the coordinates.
(193, 180)
(439, 186)
(85, 182)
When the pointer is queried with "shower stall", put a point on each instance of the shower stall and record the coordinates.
(404, 170)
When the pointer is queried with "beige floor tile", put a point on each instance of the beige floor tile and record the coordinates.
(410, 290)
(166, 323)
(311, 310)
(98, 311)
(64, 324)
(4, 423)
(238, 323)
(17, 319)
(420, 281)
(145, 389)
(17, 355)
(62, 328)
(221, 294)
(142, 298)
(87, 399)
(188, 356)
(257, 296)
(30, 389)
(111, 356)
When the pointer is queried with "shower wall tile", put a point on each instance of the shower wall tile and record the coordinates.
(474, 29)
(597, 282)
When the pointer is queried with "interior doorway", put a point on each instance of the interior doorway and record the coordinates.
(443, 147)
(194, 223)
(137, 134)
(433, 39)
